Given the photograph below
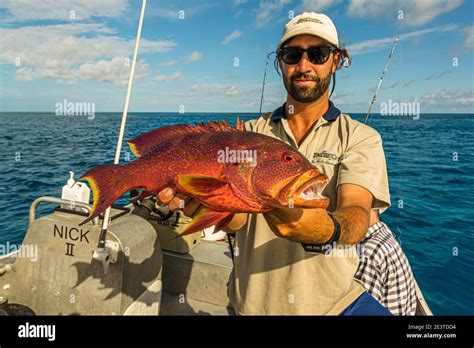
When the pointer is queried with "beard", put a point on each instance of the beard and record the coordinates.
(306, 94)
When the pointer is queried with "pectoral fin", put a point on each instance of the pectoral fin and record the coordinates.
(201, 186)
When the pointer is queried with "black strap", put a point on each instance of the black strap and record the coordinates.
(230, 247)
(337, 229)
(333, 83)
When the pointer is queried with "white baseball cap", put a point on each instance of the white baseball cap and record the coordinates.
(311, 23)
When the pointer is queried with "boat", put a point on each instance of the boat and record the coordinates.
(147, 270)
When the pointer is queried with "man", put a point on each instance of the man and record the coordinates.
(277, 270)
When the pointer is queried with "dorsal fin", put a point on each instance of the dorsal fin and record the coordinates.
(146, 141)
(240, 125)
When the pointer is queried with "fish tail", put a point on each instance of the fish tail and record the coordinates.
(108, 183)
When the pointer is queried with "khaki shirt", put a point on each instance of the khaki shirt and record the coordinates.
(273, 275)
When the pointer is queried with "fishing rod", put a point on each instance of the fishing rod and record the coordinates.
(263, 84)
(380, 85)
(101, 253)
(381, 79)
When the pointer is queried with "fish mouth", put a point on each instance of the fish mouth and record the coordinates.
(306, 191)
(312, 190)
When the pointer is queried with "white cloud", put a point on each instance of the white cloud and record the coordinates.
(24, 74)
(402, 83)
(59, 51)
(21, 10)
(318, 5)
(399, 83)
(374, 45)
(438, 75)
(167, 63)
(340, 98)
(469, 40)
(239, 2)
(232, 36)
(194, 56)
(231, 91)
(115, 71)
(414, 12)
(267, 11)
(168, 77)
(214, 89)
(448, 97)
(152, 46)
(171, 14)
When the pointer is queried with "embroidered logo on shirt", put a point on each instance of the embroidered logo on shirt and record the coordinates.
(324, 154)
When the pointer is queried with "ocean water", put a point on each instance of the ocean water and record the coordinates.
(430, 163)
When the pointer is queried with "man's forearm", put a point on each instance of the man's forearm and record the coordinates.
(354, 223)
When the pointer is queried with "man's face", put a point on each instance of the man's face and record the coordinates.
(306, 82)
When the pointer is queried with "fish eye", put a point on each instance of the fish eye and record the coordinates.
(288, 158)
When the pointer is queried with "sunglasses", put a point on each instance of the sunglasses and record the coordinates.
(316, 54)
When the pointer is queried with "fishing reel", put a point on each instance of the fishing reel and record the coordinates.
(146, 206)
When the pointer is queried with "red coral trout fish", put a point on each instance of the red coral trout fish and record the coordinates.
(225, 168)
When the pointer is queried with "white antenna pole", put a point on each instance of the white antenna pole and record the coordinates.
(124, 118)
(381, 79)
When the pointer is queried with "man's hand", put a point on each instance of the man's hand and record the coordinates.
(315, 226)
(176, 201)
(312, 226)
(191, 207)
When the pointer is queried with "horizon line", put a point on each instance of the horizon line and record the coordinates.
(221, 112)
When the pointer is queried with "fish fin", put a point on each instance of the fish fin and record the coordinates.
(223, 223)
(134, 149)
(145, 142)
(240, 125)
(201, 186)
(108, 183)
(205, 218)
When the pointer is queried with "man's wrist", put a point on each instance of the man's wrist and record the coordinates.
(320, 248)
(336, 235)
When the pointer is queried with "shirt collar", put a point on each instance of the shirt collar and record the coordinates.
(330, 115)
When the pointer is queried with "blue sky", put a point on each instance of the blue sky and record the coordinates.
(49, 54)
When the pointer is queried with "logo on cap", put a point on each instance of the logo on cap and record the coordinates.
(308, 19)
